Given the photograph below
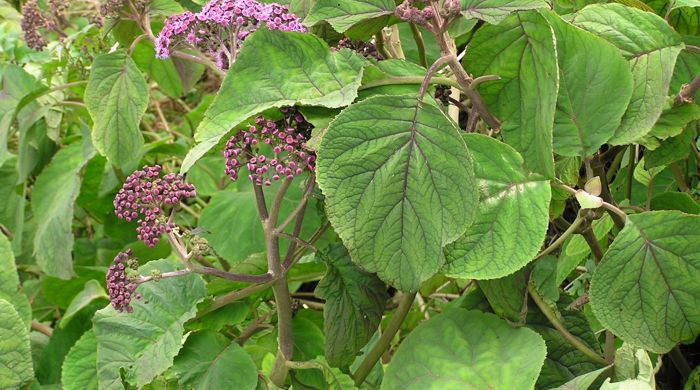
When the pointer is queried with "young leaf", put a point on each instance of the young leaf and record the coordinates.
(645, 289)
(651, 47)
(80, 366)
(512, 215)
(276, 69)
(116, 97)
(462, 349)
(209, 360)
(146, 341)
(343, 15)
(15, 354)
(494, 11)
(53, 197)
(589, 68)
(521, 51)
(399, 185)
(355, 303)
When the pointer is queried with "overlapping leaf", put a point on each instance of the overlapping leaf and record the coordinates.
(512, 215)
(345, 14)
(276, 69)
(521, 51)
(15, 353)
(80, 366)
(399, 185)
(645, 289)
(494, 11)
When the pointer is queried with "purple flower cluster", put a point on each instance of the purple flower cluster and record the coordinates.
(120, 285)
(270, 150)
(32, 21)
(221, 25)
(145, 195)
(406, 11)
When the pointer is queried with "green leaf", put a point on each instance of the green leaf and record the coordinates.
(494, 11)
(9, 282)
(577, 245)
(162, 71)
(335, 379)
(93, 290)
(53, 198)
(512, 215)
(461, 349)
(80, 366)
(521, 51)
(681, 201)
(209, 360)
(276, 69)
(651, 269)
(582, 382)
(507, 296)
(399, 185)
(146, 341)
(671, 123)
(348, 13)
(586, 117)
(355, 302)
(671, 150)
(116, 97)
(15, 354)
(651, 47)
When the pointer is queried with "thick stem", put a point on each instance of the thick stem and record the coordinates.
(679, 177)
(609, 351)
(630, 172)
(233, 296)
(593, 243)
(680, 362)
(418, 37)
(687, 92)
(385, 340)
(552, 317)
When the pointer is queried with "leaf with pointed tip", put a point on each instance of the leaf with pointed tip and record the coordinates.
(145, 342)
(521, 51)
(645, 289)
(462, 349)
(651, 47)
(276, 69)
(116, 97)
(494, 11)
(399, 186)
(512, 215)
(93, 290)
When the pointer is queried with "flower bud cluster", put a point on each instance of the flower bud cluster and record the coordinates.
(451, 8)
(443, 94)
(33, 20)
(366, 49)
(145, 195)
(270, 150)
(121, 281)
(221, 25)
(406, 11)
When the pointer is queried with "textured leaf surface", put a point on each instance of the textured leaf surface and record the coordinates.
(494, 11)
(53, 197)
(163, 71)
(209, 360)
(80, 366)
(521, 51)
(93, 291)
(399, 185)
(116, 97)
(146, 341)
(651, 47)
(463, 349)
(355, 302)
(512, 215)
(15, 354)
(276, 69)
(507, 295)
(589, 68)
(342, 15)
(9, 282)
(645, 289)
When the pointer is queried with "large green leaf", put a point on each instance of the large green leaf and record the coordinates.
(521, 51)
(342, 15)
(355, 302)
(146, 341)
(651, 47)
(589, 68)
(512, 215)
(494, 11)
(117, 97)
(80, 366)
(209, 360)
(53, 197)
(645, 289)
(671, 123)
(276, 69)
(163, 71)
(399, 185)
(462, 349)
(15, 354)
(9, 282)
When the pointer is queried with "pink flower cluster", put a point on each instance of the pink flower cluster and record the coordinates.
(221, 25)
(143, 198)
(121, 288)
(270, 150)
